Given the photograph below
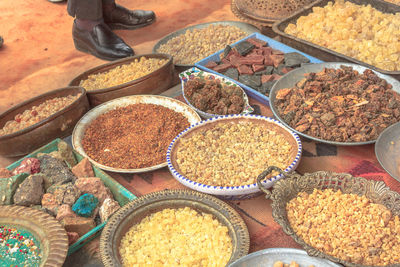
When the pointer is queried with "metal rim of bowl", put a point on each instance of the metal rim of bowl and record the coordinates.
(231, 190)
(77, 143)
(46, 120)
(97, 70)
(222, 79)
(166, 38)
(275, 89)
(377, 149)
(214, 206)
(285, 254)
(56, 236)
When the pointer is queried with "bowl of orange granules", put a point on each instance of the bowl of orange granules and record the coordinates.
(131, 134)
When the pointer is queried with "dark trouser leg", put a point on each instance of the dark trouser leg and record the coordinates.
(86, 9)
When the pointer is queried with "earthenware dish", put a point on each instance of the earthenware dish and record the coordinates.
(46, 229)
(152, 83)
(387, 150)
(233, 192)
(287, 189)
(248, 28)
(267, 257)
(80, 128)
(197, 73)
(142, 207)
(289, 80)
(58, 125)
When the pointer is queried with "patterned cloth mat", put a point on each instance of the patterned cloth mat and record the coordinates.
(257, 212)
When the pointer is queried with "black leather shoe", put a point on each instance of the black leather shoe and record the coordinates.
(122, 18)
(101, 42)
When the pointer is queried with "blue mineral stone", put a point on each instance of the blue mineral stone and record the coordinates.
(85, 205)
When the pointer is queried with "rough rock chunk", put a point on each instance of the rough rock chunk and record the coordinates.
(295, 59)
(232, 73)
(85, 205)
(72, 237)
(28, 165)
(4, 173)
(79, 225)
(244, 69)
(108, 208)
(65, 193)
(56, 171)
(94, 186)
(65, 211)
(49, 203)
(8, 186)
(30, 191)
(83, 169)
(244, 48)
(66, 153)
(250, 80)
(211, 64)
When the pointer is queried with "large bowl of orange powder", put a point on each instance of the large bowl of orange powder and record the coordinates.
(131, 134)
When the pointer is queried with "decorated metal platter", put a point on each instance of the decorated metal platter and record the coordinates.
(247, 28)
(387, 150)
(169, 103)
(206, 76)
(142, 207)
(267, 257)
(291, 79)
(230, 153)
(44, 240)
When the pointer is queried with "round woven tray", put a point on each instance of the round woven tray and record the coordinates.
(287, 189)
(266, 12)
(51, 235)
(140, 208)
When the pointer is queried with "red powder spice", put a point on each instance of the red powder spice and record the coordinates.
(131, 137)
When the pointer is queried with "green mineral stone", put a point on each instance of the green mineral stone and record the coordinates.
(66, 153)
(8, 186)
(243, 48)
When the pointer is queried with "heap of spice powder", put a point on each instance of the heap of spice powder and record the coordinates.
(131, 137)
(18, 247)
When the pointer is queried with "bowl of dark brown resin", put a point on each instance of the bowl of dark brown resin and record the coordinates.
(211, 95)
(337, 103)
(141, 74)
(31, 124)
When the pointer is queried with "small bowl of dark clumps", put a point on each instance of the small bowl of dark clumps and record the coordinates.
(211, 95)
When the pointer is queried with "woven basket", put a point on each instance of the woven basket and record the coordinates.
(286, 189)
(266, 12)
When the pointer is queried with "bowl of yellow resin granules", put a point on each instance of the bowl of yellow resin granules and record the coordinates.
(174, 228)
(141, 74)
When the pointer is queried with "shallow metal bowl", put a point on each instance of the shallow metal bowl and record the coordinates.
(287, 189)
(45, 228)
(138, 209)
(290, 79)
(152, 83)
(84, 122)
(387, 150)
(58, 125)
(248, 28)
(267, 257)
(242, 191)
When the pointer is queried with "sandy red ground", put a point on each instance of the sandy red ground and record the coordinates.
(38, 54)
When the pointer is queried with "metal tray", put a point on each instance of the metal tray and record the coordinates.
(248, 28)
(267, 257)
(387, 150)
(250, 91)
(290, 79)
(120, 193)
(320, 51)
